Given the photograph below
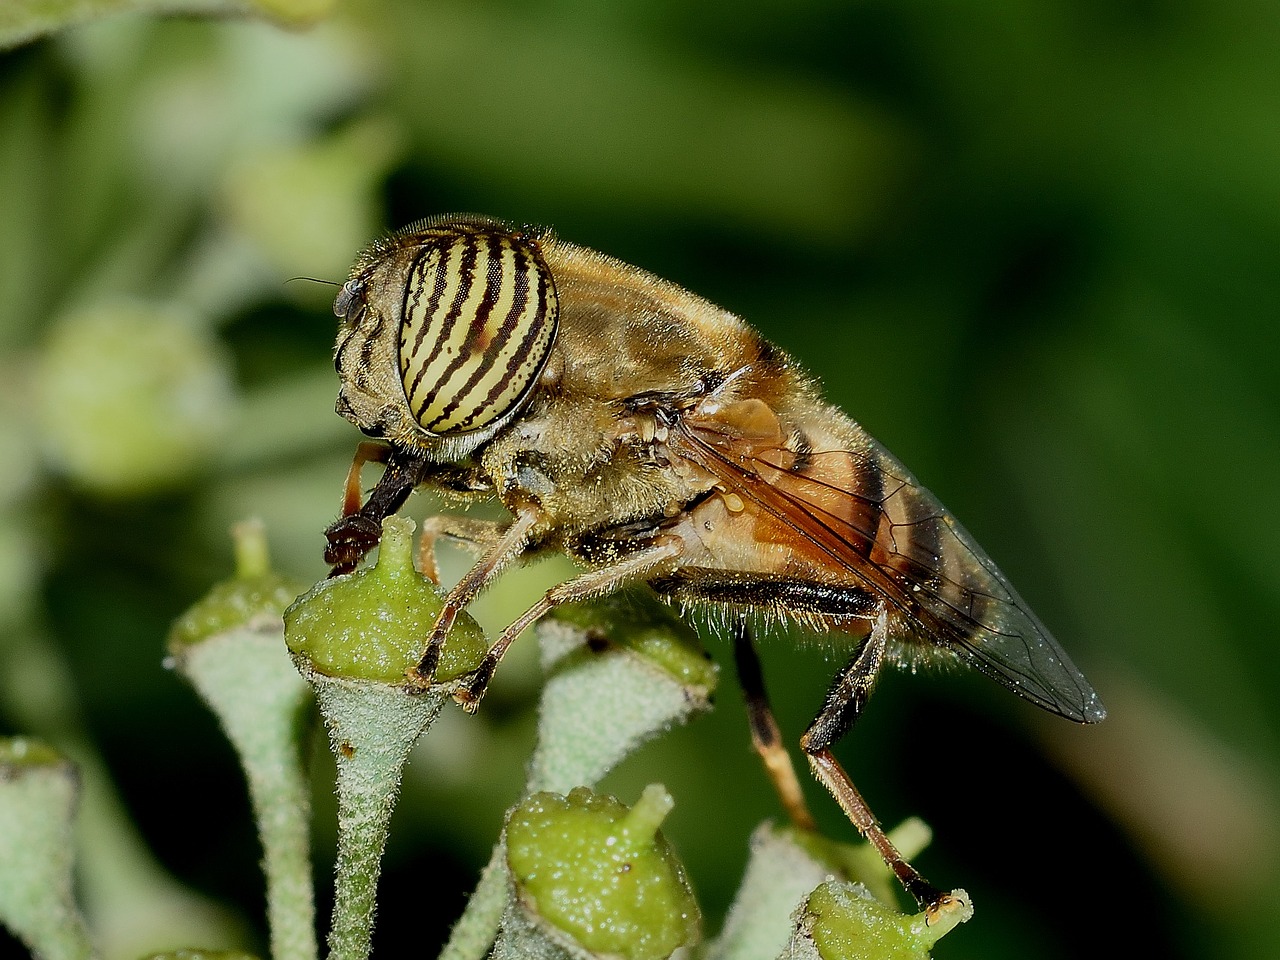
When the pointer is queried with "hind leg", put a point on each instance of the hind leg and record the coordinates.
(845, 699)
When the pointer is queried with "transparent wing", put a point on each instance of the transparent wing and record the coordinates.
(865, 513)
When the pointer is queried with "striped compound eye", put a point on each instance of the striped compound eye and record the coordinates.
(478, 321)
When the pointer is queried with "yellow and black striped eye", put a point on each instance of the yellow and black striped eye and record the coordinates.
(477, 325)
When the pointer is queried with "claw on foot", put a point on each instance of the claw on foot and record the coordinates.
(948, 910)
(927, 897)
(467, 700)
(474, 686)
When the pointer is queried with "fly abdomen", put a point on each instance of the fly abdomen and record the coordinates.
(780, 592)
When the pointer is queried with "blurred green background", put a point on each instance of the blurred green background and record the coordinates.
(1034, 247)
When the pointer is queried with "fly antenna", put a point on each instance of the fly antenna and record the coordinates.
(332, 283)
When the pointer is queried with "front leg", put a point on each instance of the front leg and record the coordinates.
(350, 538)
(359, 529)
(473, 534)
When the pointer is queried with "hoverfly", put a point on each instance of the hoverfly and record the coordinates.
(656, 439)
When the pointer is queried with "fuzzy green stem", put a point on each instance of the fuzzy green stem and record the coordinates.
(780, 874)
(37, 804)
(249, 682)
(372, 728)
(473, 934)
(230, 647)
(357, 639)
(599, 707)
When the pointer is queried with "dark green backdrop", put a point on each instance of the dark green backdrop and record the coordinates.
(1032, 246)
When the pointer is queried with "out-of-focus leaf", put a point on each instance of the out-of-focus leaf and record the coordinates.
(24, 20)
(574, 112)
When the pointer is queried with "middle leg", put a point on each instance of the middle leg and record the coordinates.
(473, 534)
(593, 583)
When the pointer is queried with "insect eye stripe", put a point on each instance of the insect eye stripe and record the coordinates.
(529, 349)
(493, 331)
(425, 271)
(513, 340)
(495, 392)
(437, 334)
(411, 328)
(475, 338)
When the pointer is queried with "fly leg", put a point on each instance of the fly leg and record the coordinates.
(469, 532)
(841, 605)
(508, 547)
(594, 583)
(359, 529)
(767, 592)
(352, 492)
(765, 735)
(845, 700)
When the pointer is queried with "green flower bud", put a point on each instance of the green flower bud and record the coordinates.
(132, 397)
(651, 630)
(844, 922)
(602, 873)
(371, 624)
(254, 596)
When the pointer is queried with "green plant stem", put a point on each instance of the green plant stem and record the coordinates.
(356, 638)
(38, 792)
(250, 683)
(780, 874)
(597, 708)
(130, 901)
(473, 934)
(230, 647)
(372, 728)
